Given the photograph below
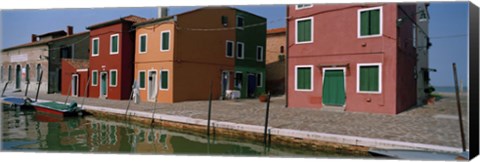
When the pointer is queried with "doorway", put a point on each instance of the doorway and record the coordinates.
(225, 82)
(251, 85)
(152, 85)
(74, 85)
(103, 85)
(333, 89)
(18, 78)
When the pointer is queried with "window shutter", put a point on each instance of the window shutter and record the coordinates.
(143, 43)
(114, 78)
(308, 30)
(94, 77)
(300, 31)
(164, 80)
(142, 79)
(95, 46)
(374, 22)
(115, 44)
(364, 23)
(165, 40)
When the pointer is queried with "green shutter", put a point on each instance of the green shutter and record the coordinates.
(374, 22)
(364, 23)
(113, 81)
(95, 46)
(142, 79)
(304, 78)
(164, 80)
(165, 40)
(229, 49)
(369, 78)
(304, 30)
(115, 44)
(94, 77)
(143, 43)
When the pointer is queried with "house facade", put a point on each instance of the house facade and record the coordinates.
(178, 57)
(363, 62)
(22, 64)
(275, 61)
(75, 75)
(111, 58)
(72, 46)
(422, 44)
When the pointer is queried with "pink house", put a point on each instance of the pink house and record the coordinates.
(352, 57)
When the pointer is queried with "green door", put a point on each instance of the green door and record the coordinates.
(333, 88)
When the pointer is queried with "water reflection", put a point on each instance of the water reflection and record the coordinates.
(31, 131)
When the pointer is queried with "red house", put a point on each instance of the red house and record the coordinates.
(112, 45)
(352, 57)
(75, 77)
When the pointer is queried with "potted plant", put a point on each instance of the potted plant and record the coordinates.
(430, 97)
(263, 97)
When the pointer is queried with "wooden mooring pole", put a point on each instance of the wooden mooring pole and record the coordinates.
(39, 83)
(130, 98)
(26, 89)
(154, 106)
(266, 120)
(458, 106)
(209, 108)
(85, 92)
(5, 87)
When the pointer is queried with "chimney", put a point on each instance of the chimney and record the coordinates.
(34, 38)
(69, 30)
(162, 12)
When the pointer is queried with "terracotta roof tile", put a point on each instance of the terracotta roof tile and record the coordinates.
(78, 63)
(276, 31)
(30, 44)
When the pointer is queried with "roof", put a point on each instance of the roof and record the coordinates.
(59, 32)
(38, 43)
(78, 63)
(149, 21)
(276, 31)
(220, 7)
(129, 18)
(156, 20)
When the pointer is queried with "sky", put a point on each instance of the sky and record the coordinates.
(446, 19)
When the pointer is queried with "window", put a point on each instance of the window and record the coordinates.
(238, 80)
(113, 78)
(9, 77)
(165, 44)
(163, 80)
(240, 22)
(39, 70)
(259, 79)
(1, 74)
(423, 16)
(304, 30)
(114, 44)
(143, 43)
(259, 53)
(225, 21)
(229, 49)
(304, 78)
(370, 22)
(94, 78)
(141, 79)
(303, 6)
(240, 50)
(369, 78)
(27, 72)
(66, 52)
(95, 46)
(414, 37)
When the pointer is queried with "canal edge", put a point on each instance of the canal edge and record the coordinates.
(315, 140)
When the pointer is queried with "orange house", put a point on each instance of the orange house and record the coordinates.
(178, 57)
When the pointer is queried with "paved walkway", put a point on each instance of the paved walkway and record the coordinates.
(435, 125)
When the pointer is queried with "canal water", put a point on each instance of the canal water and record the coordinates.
(29, 131)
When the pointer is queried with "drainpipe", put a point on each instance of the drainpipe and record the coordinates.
(286, 58)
